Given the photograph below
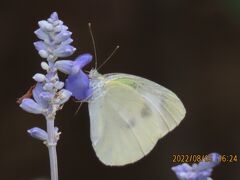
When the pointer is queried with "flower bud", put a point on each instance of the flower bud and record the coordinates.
(68, 41)
(48, 87)
(31, 106)
(64, 51)
(62, 36)
(45, 66)
(40, 45)
(38, 133)
(46, 96)
(59, 84)
(63, 96)
(54, 16)
(43, 53)
(64, 66)
(39, 77)
(46, 26)
(42, 35)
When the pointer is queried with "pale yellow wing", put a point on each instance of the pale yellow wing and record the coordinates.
(130, 116)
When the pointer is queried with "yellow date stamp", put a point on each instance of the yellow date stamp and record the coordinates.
(196, 158)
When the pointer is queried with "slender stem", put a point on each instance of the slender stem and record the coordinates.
(52, 139)
(51, 144)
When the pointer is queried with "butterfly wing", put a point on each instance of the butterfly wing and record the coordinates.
(129, 117)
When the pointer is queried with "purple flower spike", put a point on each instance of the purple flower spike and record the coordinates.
(47, 96)
(201, 171)
(77, 81)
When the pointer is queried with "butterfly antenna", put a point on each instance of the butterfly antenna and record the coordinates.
(94, 45)
(109, 57)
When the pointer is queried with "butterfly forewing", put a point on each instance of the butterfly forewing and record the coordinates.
(129, 118)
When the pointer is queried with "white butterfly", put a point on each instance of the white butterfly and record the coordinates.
(128, 115)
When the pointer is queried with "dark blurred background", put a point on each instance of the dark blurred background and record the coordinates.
(191, 47)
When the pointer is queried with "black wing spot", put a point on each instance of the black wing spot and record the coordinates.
(146, 111)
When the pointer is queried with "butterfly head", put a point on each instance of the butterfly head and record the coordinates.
(94, 74)
(96, 82)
